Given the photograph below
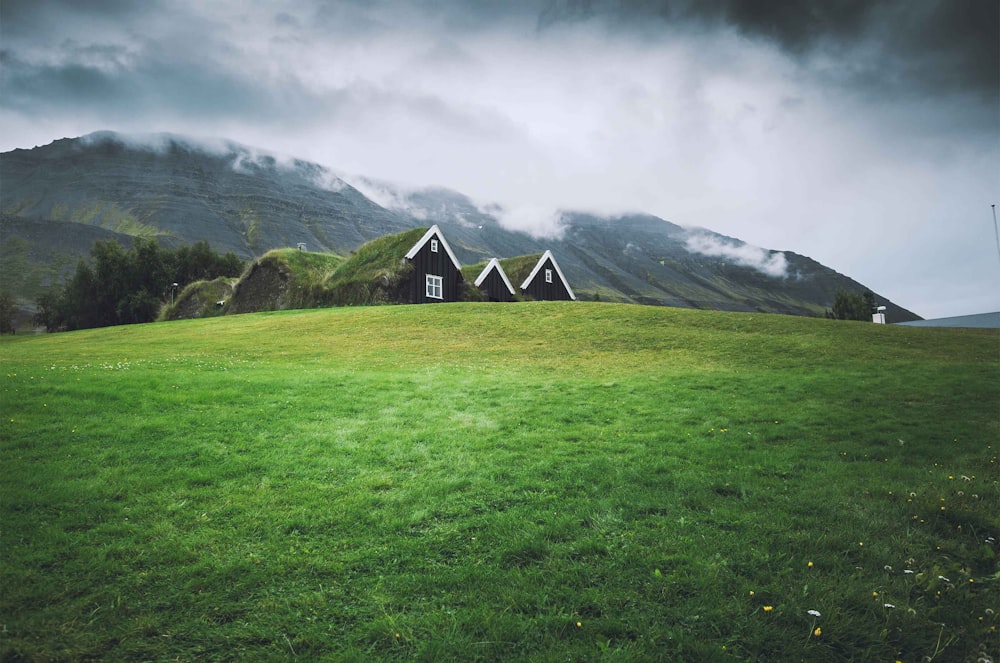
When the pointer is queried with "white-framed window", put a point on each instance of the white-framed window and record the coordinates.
(548, 276)
(434, 246)
(434, 287)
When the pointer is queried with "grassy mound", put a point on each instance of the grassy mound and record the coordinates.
(284, 279)
(201, 299)
(541, 481)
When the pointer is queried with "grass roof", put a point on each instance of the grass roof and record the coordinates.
(471, 272)
(377, 258)
(516, 269)
(375, 270)
(284, 278)
(519, 267)
(303, 262)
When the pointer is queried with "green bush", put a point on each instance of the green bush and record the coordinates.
(120, 286)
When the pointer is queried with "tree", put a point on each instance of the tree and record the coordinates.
(48, 314)
(7, 312)
(848, 305)
(128, 286)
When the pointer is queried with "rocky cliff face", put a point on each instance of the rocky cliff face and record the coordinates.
(59, 198)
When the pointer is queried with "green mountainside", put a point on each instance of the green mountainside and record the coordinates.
(56, 200)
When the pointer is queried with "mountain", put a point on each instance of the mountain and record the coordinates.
(56, 200)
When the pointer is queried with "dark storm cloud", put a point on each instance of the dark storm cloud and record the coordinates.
(19, 18)
(15, 12)
(942, 45)
(96, 79)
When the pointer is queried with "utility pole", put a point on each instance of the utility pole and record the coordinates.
(995, 231)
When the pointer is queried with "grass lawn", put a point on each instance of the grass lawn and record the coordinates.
(532, 481)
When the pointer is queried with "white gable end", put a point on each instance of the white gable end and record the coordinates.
(494, 264)
(433, 233)
(541, 261)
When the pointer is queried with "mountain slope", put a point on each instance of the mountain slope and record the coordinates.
(59, 197)
(233, 197)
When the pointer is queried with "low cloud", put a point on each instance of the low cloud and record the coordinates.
(389, 196)
(159, 143)
(539, 221)
(242, 158)
(771, 263)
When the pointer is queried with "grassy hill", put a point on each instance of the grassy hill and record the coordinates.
(531, 481)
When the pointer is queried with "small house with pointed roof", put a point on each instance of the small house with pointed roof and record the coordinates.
(436, 275)
(494, 284)
(546, 281)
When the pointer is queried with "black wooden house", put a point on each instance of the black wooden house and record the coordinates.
(494, 284)
(437, 274)
(546, 281)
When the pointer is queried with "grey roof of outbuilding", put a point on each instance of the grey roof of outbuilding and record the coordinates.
(978, 321)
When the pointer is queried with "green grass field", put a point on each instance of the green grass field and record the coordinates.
(534, 481)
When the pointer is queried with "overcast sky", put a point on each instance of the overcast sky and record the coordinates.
(863, 134)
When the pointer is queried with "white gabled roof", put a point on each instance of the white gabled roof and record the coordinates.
(433, 230)
(538, 266)
(494, 263)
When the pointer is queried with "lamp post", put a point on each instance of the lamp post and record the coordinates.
(995, 231)
(173, 286)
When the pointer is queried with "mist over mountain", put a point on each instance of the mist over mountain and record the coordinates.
(56, 200)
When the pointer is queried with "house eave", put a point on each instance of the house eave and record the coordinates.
(431, 232)
(494, 264)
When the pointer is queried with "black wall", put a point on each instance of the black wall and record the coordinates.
(539, 289)
(427, 262)
(494, 288)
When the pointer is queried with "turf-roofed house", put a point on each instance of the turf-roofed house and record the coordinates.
(494, 284)
(540, 277)
(437, 274)
(418, 267)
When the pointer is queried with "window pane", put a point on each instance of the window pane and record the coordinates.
(434, 287)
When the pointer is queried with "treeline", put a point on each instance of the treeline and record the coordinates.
(848, 305)
(121, 287)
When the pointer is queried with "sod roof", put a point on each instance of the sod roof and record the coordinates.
(382, 257)
(307, 261)
(519, 267)
(471, 272)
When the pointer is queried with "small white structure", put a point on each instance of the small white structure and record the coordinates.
(302, 246)
(878, 317)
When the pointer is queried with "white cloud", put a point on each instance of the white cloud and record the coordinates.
(384, 194)
(771, 263)
(537, 220)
